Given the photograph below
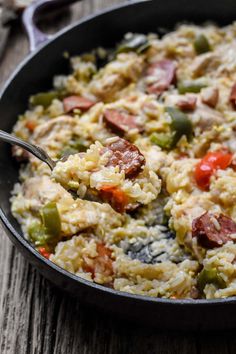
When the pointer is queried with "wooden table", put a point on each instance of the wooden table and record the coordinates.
(38, 318)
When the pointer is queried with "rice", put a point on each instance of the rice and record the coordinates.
(143, 221)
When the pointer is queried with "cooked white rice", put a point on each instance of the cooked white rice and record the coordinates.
(151, 249)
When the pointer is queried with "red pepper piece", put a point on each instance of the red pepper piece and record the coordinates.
(211, 162)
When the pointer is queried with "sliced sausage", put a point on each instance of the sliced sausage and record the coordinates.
(77, 102)
(213, 230)
(161, 74)
(127, 156)
(120, 122)
(210, 96)
(232, 97)
(187, 103)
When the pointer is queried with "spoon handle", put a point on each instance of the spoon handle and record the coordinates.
(35, 150)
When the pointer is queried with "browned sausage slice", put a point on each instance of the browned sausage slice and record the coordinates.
(232, 97)
(213, 230)
(77, 102)
(163, 73)
(120, 122)
(127, 156)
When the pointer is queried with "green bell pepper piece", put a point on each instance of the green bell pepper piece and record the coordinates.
(51, 220)
(164, 140)
(36, 233)
(43, 98)
(193, 86)
(210, 276)
(180, 125)
(137, 42)
(201, 44)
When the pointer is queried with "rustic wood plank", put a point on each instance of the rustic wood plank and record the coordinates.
(36, 317)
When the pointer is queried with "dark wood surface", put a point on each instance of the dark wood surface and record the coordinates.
(36, 317)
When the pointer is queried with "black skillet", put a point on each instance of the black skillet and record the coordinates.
(34, 75)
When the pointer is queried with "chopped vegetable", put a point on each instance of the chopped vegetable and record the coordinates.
(193, 86)
(51, 220)
(211, 162)
(164, 140)
(44, 98)
(136, 42)
(31, 125)
(43, 251)
(210, 276)
(114, 196)
(201, 44)
(73, 185)
(46, 233)
(36, 233)
(181, 125)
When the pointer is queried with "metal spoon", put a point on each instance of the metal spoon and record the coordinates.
(43, 156)
(34, 149)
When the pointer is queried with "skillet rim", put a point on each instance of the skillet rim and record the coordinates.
(49, 264)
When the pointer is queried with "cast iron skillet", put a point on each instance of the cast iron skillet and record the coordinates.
(34, 75)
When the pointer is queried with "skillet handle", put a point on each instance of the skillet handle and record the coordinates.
(29, 18)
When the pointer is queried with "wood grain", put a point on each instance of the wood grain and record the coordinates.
(37, 318)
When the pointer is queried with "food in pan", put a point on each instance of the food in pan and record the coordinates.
(146, 134)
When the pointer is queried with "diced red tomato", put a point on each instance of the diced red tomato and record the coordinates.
(211, 162)
(77, 102)
(114, 196)
(44, 252)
